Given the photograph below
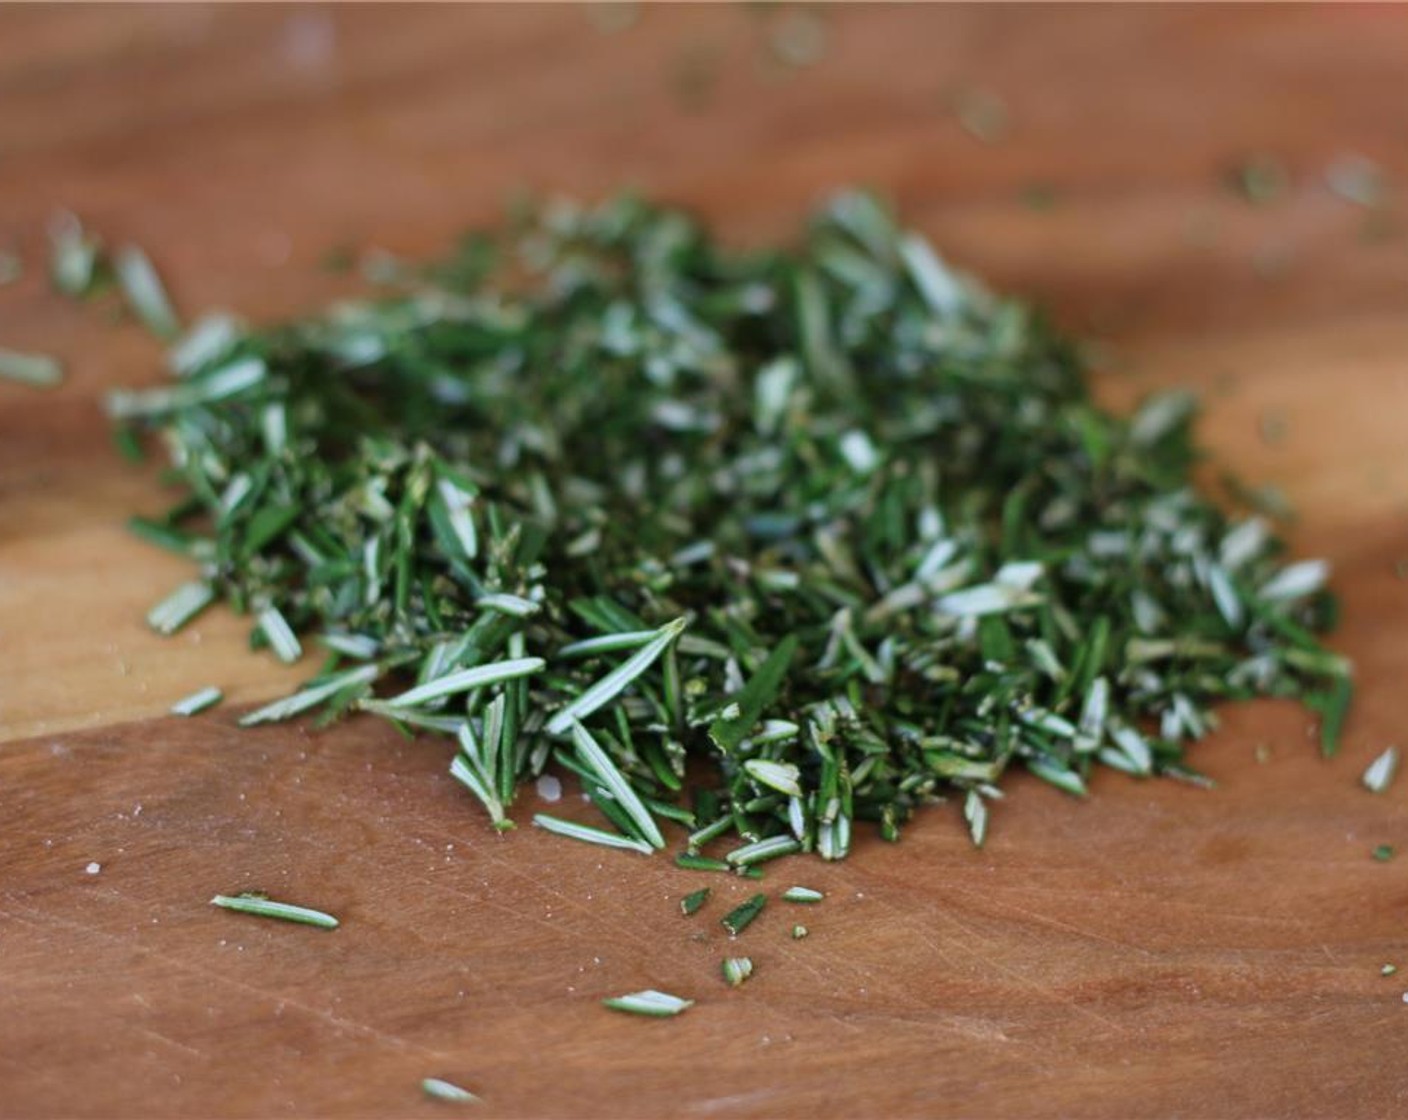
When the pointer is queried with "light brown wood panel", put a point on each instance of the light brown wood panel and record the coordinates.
(1155, 951)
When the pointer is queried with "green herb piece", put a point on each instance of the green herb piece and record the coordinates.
(691, 902)
(760, 691)
(280, 635)
(144, 292)
(799, 932)
(197, 701)
(691, 862)
(1039, 196)
(180, 607)
(1383, 853)
(736, 970)
(660, 1005)
(616, 681)
(311, 696)
(74, 255)
(11, 267)
(1357, 179)
(267, 908)
(802, 894)
(589, 834)
(760, 851)
(1333, 713)
(611, 17)
(1388, 970)
(446, 1091)
(1260, 179)
(1380, 773)
(599, 762)
(741, 917)
(37, 370)
(466, 679)
(799, 38)
(982, 114)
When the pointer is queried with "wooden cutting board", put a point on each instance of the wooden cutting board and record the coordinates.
(1157, 950)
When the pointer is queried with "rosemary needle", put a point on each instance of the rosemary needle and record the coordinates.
(197, 701)
(736, 970)
(691, 902)
(802, 894)
(650, 1003)
(267, 908)
(447, 1091)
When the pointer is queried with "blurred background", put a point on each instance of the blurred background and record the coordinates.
(1188, 166)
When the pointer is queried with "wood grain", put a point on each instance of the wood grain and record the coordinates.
(1155, 951)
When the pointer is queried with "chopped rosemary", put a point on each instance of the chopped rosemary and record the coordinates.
(447, 1091)
(262, 907)
(741, 917)
(736, 970)
(197, 701)
(802, 894)
(1388, 970)
(605, 493)
(691, 902)
(798, 932)
(1383, 852)
(659, 1005)
(1380, 773)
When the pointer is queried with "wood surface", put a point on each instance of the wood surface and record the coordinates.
(1155, 951)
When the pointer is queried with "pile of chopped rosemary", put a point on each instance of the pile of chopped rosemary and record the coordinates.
(834, 522)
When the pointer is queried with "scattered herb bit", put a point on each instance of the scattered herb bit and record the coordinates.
(798, 39)
(11, 267)
(1272, 426)
(1388, 970)
(802, 894)
(1039, 196)
(1357, 179)
(180, 607)
(1383, 853)
(741, 917)
(251, 903)
(73, 256)
(691, 902)
(660, 1005)
(762, 850)
(736, 970)
(1260, 179)
(695, 74)
(603, 493)
(1380, 773)
(280, 635)
(691, 862)
(93, 868)
(39, 370)
(445, 1091)
(982, 114)
(197, 701)
(799, 932)
(143, 290)
(611, 17)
